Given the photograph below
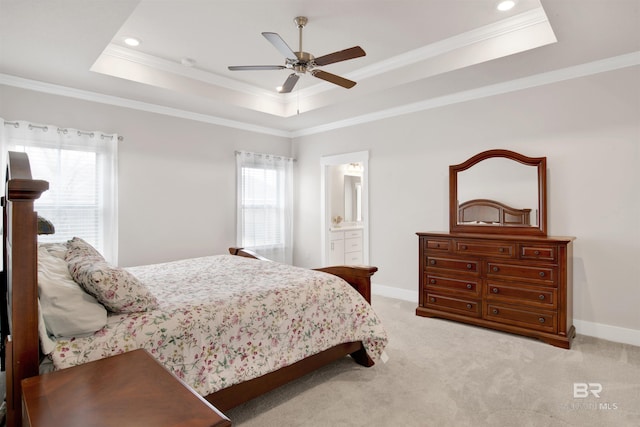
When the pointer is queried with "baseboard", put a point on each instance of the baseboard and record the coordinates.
(583, 327)
(393, 292)
(607, 332)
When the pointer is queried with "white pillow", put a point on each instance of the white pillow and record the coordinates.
(66, 308)
(58, 249)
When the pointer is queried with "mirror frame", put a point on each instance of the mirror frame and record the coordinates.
(539, 162)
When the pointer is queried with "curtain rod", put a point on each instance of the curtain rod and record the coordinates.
(62, 130)
(266, 155)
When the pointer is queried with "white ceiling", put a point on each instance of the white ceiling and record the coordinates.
(418, 52)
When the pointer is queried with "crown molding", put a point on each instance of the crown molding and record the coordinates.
(568, 73)
(591, 68)
(53, 89)
(126, 54)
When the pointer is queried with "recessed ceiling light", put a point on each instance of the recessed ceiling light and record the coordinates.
(279, 88)
(506, 5)
(132, 41)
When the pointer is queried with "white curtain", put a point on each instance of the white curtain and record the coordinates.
(265, 205)
(81, 168)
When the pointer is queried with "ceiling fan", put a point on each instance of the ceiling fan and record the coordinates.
(301, 62)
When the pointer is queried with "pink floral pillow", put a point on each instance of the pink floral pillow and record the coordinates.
(117, 289)
(77, 247)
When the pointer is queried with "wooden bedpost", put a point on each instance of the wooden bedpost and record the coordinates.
(20, 279)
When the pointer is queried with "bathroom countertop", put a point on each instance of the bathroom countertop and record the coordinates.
(346, 228)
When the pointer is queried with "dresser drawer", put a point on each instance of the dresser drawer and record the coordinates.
(467, 307)
(540, 274)
(467, 286)
(495, 249)
(437, 245)
(544, 297)
(539, 252)
(519, 316)
(470, 266)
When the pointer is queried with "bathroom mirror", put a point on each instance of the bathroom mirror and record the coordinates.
(352, 198)
(498, 192)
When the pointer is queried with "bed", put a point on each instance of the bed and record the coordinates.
(491, 212)
(230, 356)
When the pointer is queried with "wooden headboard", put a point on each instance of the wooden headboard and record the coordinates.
(487, 211)
(20, 343)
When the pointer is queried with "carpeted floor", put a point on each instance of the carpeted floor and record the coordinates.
(443, 373)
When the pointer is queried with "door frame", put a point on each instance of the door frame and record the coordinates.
(325, 216)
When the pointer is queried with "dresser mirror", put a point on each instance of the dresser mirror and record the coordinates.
(498, 192)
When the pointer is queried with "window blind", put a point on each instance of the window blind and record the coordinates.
(265, 208)
(81, 170)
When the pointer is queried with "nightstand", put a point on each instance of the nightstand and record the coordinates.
(130, 389)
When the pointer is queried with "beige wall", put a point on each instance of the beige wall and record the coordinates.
(176, 176)
(589, 130)
(177, 184)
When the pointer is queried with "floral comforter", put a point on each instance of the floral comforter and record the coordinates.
(227, 319)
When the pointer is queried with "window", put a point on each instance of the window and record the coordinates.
(81, 170)
(265, 209)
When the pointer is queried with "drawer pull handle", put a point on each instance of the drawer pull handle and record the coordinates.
(541, 274)
(541, 297)
(463, 247)
(494, 311)
(469, 266)
(469, 306)
(541, 319)
(432, 261)
(432, 299)
(536, 252)
(432, 281)
(500, 249)
(469, 286)
(494, 290)
(437, 245)
(495, 269)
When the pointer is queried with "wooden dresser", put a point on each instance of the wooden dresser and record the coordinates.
(514, 283)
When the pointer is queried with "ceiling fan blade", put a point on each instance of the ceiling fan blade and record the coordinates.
(281, 45)
(256, 67)
(343, 55)
(290, 83)
(332, 78)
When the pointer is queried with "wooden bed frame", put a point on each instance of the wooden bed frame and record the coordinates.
(19, 293)
(492, 212)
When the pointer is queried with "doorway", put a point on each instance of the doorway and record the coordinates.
(345, 209)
